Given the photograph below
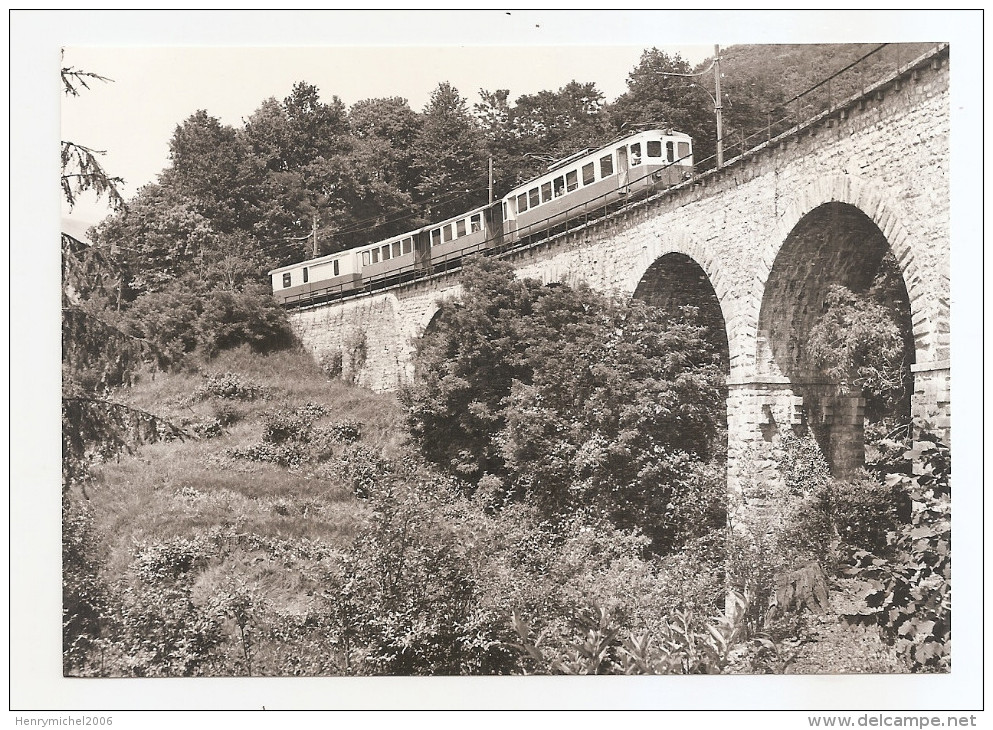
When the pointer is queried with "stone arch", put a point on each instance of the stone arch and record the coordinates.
(833, 241)
(674, 280)
(427, 317)
(708, 262)
(929, 312)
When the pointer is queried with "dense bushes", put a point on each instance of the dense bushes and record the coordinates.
(185, 317)
(858, 343)
(907, 593)
(568, 398)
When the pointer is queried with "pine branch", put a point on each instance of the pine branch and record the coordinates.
(82, 171)
(73, 78)
(110, 326)
(124, 407)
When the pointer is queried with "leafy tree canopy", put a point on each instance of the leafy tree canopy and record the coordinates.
(629, 431)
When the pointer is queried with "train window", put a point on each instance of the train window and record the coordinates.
(287, 279)
(670, 155)
(306, 275)
(386, 252)
(375, 255)
(559, 186)
(436, 237)
(476, 223)
(447, 230)
(533, 197)
(636, 154)
(408, 245)
(606, 166)
(546, 192)
(522, 202)
(588, 174)
(365, 258)
(571, 181)
(335, 267)
(396, 249)
(505, 210)
(683, 148)
(460, 227)
(653, 148)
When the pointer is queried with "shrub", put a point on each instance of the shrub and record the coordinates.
(363, 469)
(640, 407)
(291, 454)
(161, 632)
(688, 646)
(85, 596)
(343, 432)
(230, 386)
(170, 559)
(407, 601)
(227, 413)
(858, 343)
(281, 427)
(169, 321)
(804, 469)
(864, 510)
(908, 594)
(184, 316)
(232, 318)
(207, 429)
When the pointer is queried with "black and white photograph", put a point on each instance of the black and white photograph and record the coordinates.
(499, 360)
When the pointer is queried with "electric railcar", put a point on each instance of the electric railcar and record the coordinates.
(588, 181)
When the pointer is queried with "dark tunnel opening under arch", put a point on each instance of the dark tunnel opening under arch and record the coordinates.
(834, 244)
(675, 281)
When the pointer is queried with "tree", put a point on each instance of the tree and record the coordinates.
(539, 128)
(316, 129)
(559, 124)
(653, 99)
(97, 354)
(213, 167)
(858, 344)
(449, 156)
(569, 398)
(390, 126)
(160, 236)
(81, 169)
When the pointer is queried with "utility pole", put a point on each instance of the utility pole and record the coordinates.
(491, 179)
(315, 229)
(716, 98)
(717, 106)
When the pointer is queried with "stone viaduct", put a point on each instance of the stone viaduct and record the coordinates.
(762, 239)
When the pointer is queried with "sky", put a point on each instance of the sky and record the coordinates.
(133, 117)
(167, 65)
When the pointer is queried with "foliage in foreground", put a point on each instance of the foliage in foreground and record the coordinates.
(627, 437)
(434, 582)
(907, 593)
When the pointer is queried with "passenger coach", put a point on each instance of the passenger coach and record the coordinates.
(586, 182)
(589, 179)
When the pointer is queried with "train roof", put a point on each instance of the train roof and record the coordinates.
(311, 262)
(376, 244)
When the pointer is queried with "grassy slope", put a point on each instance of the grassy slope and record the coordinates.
(270, 515)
